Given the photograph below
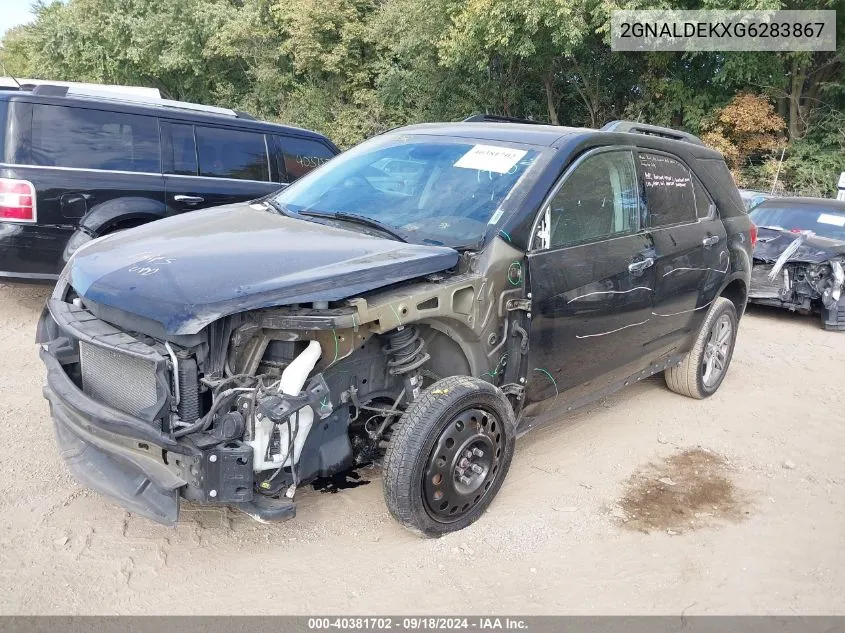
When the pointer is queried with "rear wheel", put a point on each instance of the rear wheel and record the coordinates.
(448, 456)
(703, 369)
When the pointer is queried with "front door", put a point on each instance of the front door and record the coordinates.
(592, 279)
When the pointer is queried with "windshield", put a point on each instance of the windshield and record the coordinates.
(427, 189)
(821, 221)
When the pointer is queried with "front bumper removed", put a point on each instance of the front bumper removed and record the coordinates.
(129, 468)
(130, 459)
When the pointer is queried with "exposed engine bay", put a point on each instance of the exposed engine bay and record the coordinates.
(259, 403)
(800, 272)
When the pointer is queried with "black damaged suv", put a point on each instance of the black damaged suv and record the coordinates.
(417, 303)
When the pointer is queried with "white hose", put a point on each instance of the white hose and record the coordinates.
(291, 384)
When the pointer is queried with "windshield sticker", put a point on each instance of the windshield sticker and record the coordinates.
(491, 158)
(827, 218)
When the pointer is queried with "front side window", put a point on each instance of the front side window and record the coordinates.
(598, 200)
(301, 155)
(65, 136)
(436, 190)
(668, 190)
(225, 153)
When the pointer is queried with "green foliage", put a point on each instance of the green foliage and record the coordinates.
(353, 68)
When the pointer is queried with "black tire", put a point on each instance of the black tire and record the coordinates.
(688, 378)
(479, 420)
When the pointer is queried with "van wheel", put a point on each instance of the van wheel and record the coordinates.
(448, 456)
(703, 369)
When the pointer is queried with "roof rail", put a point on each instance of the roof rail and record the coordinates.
(495, 118)
(24, 83)
(652, 130)
(54, 90)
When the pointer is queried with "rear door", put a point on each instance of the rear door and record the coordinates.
(690, 245)
(207, 166)
(591, 278)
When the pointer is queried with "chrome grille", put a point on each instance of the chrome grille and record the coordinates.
(119, 380)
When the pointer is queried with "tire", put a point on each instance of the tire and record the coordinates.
(690, 378)
(421, 463)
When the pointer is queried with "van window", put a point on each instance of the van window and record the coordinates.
(668, 190)
(598, 200)
(183, 159)
(225, 153)
(301, 155)
(64, 136)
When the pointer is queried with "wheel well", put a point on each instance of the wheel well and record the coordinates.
(737, 293)
(121, 224)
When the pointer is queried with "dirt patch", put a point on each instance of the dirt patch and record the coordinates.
(686, 491)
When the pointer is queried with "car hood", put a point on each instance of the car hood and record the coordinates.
(187, 271)
(771, 243)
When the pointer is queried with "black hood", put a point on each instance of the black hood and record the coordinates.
(814, 249)
(189, 270)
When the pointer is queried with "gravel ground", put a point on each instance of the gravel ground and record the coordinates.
(647, 502)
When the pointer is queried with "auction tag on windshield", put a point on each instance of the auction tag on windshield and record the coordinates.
(491, 158)
(827, 218)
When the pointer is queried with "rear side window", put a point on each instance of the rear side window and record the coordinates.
(301, 155)
(182, 148)
(668, 190)
(225, 153)
(598, 200)
(93, 139)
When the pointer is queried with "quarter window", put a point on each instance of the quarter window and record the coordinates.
(702, 200)
(63, 136)
(668, 190)
(302, 155)
(600, 199)
(225, 153)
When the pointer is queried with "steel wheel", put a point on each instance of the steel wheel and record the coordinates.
(463, 464)
(714, 361)
(448, 455)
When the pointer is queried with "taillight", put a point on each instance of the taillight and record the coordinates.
(753, 234)
(17, 200)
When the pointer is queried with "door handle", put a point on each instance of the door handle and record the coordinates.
(640, 266)
(188, 199)
(710, 241)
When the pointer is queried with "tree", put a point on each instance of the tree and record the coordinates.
(520, 40)
(746, 126)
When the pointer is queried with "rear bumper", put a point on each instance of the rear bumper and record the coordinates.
(32, 251)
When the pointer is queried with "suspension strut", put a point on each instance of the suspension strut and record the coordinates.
(406, 351)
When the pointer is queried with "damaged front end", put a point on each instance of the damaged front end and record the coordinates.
(258, 403)
(800, 272)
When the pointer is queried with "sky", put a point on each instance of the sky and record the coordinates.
(14, 12)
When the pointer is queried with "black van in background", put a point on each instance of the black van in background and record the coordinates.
(77, 164)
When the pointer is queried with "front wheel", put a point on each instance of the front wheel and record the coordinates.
(703, 369)
(448, 456)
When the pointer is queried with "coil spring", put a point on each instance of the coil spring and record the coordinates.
(405, 349)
